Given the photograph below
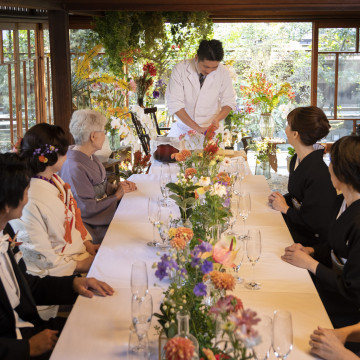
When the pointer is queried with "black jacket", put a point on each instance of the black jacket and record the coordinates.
(34, 291)
(310, 185)
(340, 292)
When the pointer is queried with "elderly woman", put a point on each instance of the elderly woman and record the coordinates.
(311, 198)
(96, 198)
(336, 263)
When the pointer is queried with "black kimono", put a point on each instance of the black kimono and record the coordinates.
(311, 188)
(34, 291)
(339, 287)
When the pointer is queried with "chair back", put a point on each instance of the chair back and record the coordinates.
(141, 133)
(152, 113)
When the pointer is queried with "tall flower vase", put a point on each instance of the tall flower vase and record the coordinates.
(266, 125)
(140, 101)
(263, 169)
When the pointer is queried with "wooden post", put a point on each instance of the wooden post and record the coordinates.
(60, 68)
(39, 71)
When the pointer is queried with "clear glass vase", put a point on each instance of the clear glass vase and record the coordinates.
(263, 169)
(266, 125)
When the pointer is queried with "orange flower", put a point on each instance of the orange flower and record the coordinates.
(179, 348)
(43, 159)
(186, 233)
(211, 148)
(178, 243)
(209, 354)
(178, 157)
(186, 153)
(190, 172)
(222, 281)
(210, 132)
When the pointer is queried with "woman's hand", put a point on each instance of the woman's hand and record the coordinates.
(83, 266)
(91, 248)
(88, 286)
(278, 202)
(326, 344)
(128, 186)
(119, 193)
(296, 256)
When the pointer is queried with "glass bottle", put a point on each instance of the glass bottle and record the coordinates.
(183, 331)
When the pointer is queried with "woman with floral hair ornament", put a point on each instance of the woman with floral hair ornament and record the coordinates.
(54, 239)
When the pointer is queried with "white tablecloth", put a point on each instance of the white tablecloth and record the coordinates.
(98, 328)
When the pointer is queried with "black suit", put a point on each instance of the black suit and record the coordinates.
(34, 291)
(310, 185)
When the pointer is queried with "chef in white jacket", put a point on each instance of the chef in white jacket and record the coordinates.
(200, 91)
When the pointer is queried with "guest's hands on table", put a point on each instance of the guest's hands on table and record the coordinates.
(128, 186)
(297, 255)
(329, 345)
(91, 248)
(88, 286)
(43, 342)
(278, 202)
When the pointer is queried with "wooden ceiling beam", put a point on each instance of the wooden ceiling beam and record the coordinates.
(34, 4)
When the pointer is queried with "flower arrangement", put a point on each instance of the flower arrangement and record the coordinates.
(263, 149)
(265, 95)
(139, 165)
(144, 81)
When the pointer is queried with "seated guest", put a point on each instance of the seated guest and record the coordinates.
(336, 262)
(54, 239)
(23, 334)
(329, 343)
(311, 198)
(96, 198)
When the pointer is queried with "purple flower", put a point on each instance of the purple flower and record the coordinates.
(159, 83)
(156, 94)
(207, 266)
(200, 289)
(202, 248)
(195, 261)
(163, 266)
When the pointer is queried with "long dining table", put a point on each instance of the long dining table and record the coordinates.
(98, 328)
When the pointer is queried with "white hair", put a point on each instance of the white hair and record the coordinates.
(84, 122)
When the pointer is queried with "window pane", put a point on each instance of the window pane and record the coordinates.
(8, 45)
(339, 128)
(23, 44)
(326, 83)
(337, 39)
(32, 43)
(349, 86)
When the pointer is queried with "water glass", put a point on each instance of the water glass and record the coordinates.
(141, 314)
(139, 279)
(137, 350)
(240, 248)
(153, 216)
(164, 226)
(253, 252)
(234, 210)
(282, 338)
(264, 328)
(165, 178)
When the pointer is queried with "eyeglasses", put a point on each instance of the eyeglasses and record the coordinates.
(101, 131)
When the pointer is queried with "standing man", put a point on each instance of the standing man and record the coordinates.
(200, 91)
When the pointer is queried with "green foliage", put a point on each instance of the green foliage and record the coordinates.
(154, 33)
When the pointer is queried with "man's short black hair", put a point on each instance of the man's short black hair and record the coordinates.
(14, 179)
(210, 50)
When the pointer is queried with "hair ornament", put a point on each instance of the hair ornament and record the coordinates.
(41, 152)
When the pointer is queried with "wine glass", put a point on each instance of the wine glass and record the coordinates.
(253, 252)
(141, 314)
(164, 226)
(282, 337)
(240, 248)
(139, 279)
(137, 350)
(153, 215)
(234, 210)
(244, 209)
(165, 178)
(264, 328)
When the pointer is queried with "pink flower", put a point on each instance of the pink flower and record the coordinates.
(132, 85)
(227, 305)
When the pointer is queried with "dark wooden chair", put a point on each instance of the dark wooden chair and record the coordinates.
(152, 112)
(141, 133)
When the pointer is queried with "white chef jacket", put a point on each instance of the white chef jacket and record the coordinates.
(201, 104)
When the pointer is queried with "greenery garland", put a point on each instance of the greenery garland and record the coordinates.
(123, 32)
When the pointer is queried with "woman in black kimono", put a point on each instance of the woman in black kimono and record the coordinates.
(311, 198)
(336, 263)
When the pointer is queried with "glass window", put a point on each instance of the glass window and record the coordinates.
(326, 83)
(337, 39)
(8, 45)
